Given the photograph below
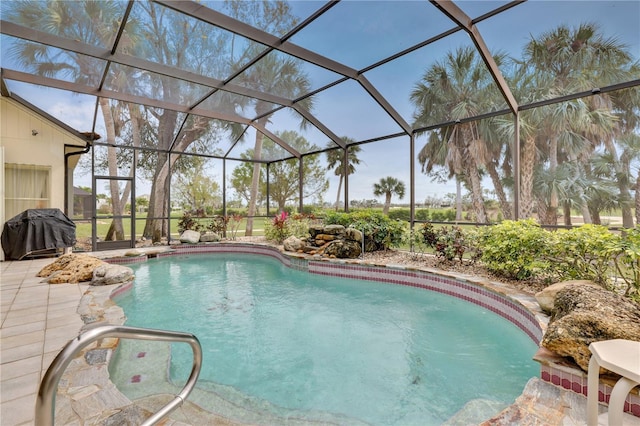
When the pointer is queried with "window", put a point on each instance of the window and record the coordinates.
(27, 186)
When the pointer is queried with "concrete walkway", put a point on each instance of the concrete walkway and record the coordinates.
(37, 320)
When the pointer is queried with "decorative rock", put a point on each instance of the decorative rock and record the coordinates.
(329, 241)
(547, 297)
(210, 238)
(353, 235)
(190, 237)
(343, 249)
(315, 230)
(542, 403)
(133, 253)
(334, 229)
(474, 410)
(107, 274)
(70, 268)
(584, 314)
(293, 244)
(96, 356)
(131, 414)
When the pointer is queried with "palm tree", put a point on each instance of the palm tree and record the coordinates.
(387, 187)
(450, 90)
(568, 60)
(56, 17)
(335, 162)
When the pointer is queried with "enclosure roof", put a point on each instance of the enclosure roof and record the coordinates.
(344, 69)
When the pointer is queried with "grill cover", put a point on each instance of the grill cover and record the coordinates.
(35, 230)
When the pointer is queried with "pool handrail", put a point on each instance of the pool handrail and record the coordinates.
(45, 400)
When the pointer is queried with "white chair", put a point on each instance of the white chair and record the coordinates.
(621, 357)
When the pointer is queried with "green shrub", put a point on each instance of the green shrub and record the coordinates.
(626, 257)
(437, 216)
(230, 212)
(583, 253)
(405, 214)
(380, 232)
(337, 218)
(400, 214)
(416, 240)
(422, 214)
(514, 249)
(308, 210)
(448, 215)
(299, 224)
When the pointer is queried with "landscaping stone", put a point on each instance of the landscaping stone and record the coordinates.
(294, 244)
(334, 230)
(353, 235)
(210, 237)
(542, 403)
(96, 356)
(107, 274)
(131, 414)
(343, 249)
(70, 268)
(547, 297)
(133, 253)
(328, 241)
(584, 314)
(190, 237)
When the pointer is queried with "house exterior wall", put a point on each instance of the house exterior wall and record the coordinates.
(45, 149)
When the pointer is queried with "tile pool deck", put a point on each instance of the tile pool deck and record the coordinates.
(38, 319)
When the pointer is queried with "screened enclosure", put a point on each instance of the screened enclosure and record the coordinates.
(494, 110)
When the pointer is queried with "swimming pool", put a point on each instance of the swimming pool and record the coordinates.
(383, 354)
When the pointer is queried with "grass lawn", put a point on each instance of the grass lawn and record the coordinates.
(83, 228)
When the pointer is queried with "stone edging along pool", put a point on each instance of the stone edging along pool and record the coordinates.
(519, 308)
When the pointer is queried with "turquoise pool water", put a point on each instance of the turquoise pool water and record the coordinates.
(381, 353)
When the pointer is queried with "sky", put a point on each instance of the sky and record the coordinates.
(373, 31)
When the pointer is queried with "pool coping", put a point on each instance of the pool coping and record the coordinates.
(521, 309)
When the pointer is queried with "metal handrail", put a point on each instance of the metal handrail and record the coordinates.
(45, 402)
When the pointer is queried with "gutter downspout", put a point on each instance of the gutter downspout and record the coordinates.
(84, 150)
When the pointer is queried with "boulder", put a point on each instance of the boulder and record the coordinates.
(331, 241)
(583, 314)
(315, 230)
(293, 244)
(133, 253)
(210, 237)
(190, 237)
(547, 297)
(343, 249)
(334, 230)
(70, 268)
(107, 274)
(353, 235)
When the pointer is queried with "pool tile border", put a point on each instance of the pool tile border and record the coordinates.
(469, 292)
(520, 309)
